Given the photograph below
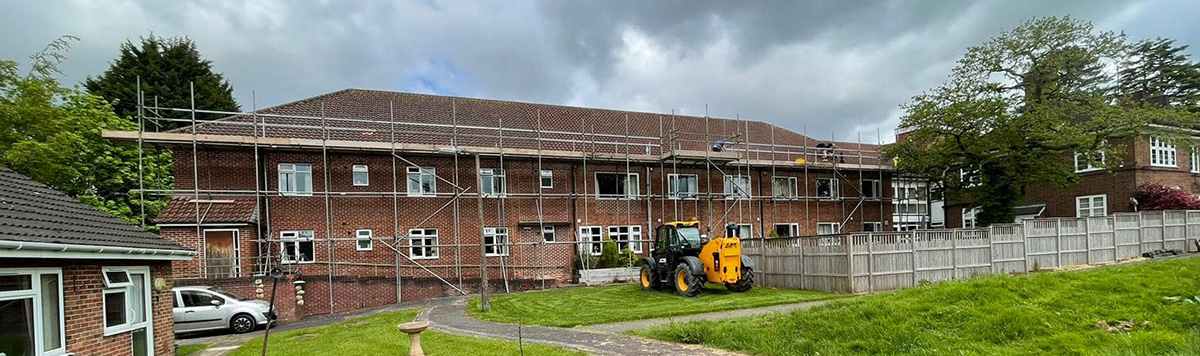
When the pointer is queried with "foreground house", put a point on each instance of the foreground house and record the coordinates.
(75, 280)
(373, 197)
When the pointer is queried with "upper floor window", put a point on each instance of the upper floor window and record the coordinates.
(493, 182)
(296, 246)
(495, 241)
(1162, 154)
(737, 186)
(871, 188)
(681, 186)
(548, 233)
(363, 240)
(422, 181)
(361, 178)
(783, 187)
(616, 185)
(1089, 162)
(547, 178)
(827, 188)
(295, 179)
(1091, 205)
(423, 243)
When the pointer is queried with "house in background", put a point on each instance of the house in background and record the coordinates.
(75, 280)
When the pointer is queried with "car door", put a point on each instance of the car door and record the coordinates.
(181, 325)
(199, 312)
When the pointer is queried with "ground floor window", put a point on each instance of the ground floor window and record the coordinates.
(31, 318)
(422, 243)
(590, 240)
(742, 231)
(829, 228)
(548, 233)
(495, 241)
(626, 237)
(1091, 205)
(787, 230)
(296, 246)
(872, 226)
(126, 299)
(968, 218)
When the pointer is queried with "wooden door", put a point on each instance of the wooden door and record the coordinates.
(219, 253)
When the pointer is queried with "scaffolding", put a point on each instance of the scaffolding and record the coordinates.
(673, 150)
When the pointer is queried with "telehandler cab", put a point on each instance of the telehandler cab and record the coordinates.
(681, 257)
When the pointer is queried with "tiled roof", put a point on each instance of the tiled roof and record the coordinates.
(367, 115)
(218, 210)
(32, 212)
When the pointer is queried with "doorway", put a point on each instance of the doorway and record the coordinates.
(221, 253)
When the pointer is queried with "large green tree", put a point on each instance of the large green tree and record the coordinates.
(167, 68)
(1018, 107)
(52, 134)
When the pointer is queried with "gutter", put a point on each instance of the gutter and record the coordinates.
(21, 249)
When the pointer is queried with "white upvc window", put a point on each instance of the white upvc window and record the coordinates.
(783, 187)
(872, 226)
(548, 233)
(1091, 205)
(829, 228)
(1195, 160)
(295, 179)
(1089, 162)
(872, 188)
(741, 231)
(547, 178)
(737, 186)
(828, 188)
(626, 237)
(361, 176)
(681, 186)
(422, 181)
(616, 185)
(126, 299)
(493, 182)
(787, 230)
(495, 241)
(1162, 154)
(32, 299)
(363, 240)
(422, 243)
(591, 240)
(296, 246)
(968, 218)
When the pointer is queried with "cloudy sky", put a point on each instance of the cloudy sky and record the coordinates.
(828, 67)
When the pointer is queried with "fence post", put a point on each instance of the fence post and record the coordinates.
(1141, 239)
(1058, 243)
(1162, 236)
(954, 253)
(800, 241)
(1025, 244)
(1087, 238)
(991, 248)
(848, 242)
(870, 262)
(912, 241)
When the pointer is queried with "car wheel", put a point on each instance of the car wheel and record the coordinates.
(242, 323)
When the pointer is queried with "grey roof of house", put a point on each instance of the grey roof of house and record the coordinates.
(33, 212)
(1035, 209)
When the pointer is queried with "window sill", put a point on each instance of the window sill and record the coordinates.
(124, 328)
(495, 255)
(298, 262)
(422, 257)
(295, 194)
(1164, 165)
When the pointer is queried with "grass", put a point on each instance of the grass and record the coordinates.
(185, 350)
(1043, 313)
(607, 304)
(377, 335)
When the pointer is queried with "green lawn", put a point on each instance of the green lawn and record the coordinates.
(377, 335)
(1043, 313)
(598, 305)
(185, 350)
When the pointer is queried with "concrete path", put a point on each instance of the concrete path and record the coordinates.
(729, 314)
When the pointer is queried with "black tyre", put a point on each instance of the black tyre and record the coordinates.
(648, 280)
(744, 283)
(687, 284)
(242, 324)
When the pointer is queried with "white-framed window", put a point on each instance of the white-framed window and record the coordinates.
(872, 188)
(1089, 162)
(741, 231)
(783, 187)
(681, 186)
(872, 226)
(592, 240)
(493, 182)
(422, 181)
(616, 185)
(363, 241)
(1091, 205)
(828, 188)
(829, 228)
(126, 299)
(737, 186)
(1162, 154)
(910, 209)
(970, 178)
(296, 246)
(968, 218)
(787, 230)
(295, 179)
(32, 304)
(422, 243)
(548, 233)
(547, 178)
(361, 176)
(495, 241)
(626, 237)
(1195, 160)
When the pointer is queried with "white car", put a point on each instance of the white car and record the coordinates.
(199, 308)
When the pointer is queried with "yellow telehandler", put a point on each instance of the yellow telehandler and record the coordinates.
(684, 258)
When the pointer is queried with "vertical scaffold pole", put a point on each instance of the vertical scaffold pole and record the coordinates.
(396, 205)
(196, 178)
(328, 206)
(483, 275)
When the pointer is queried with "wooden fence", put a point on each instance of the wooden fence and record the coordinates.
(881, 261)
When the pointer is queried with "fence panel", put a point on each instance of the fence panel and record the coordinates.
(1152, 230)
(1175, 230)
(1008, 249)
(1101, 239)
(1041, 243)
(1128, 235)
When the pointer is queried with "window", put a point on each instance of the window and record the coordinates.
(626, 237)
(970, 178)
(1195, 161)
(422, 181)
(195, 298)
(422, 243)
(787, 230)
(681, 186)
(872, 226)
(827, 188)
(363, 238)
(126, 304)
(32, 317)
(361, 178)
(548, 233)
(591, 240)
(547, 178)
(493, 182)
(783, 187)
(616, 185)
(296, 246)
(829, 228)
(1089, 162)
(911, 209)
(1162, 154)
(871, 188)
(495, 241)
(1091, 205)
(968, 218)
(295, 179)
(743, 231)
(737, 187)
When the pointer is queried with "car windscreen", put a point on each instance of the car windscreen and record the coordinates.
(228, 293)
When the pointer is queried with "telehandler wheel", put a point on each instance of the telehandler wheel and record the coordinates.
(686, 284)
(744, 283)
(648, 280)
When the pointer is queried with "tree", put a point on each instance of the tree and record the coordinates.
(1154, 196)
(52, 134)
(167, 68)
(1019, 106)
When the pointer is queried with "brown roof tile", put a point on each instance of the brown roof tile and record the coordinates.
(217, 210)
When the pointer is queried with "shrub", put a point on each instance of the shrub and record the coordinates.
(628, 259)
(608, 255)
(1155, 196)
(584, 260)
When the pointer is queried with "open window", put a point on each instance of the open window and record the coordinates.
(363, 240)
(616, 185)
